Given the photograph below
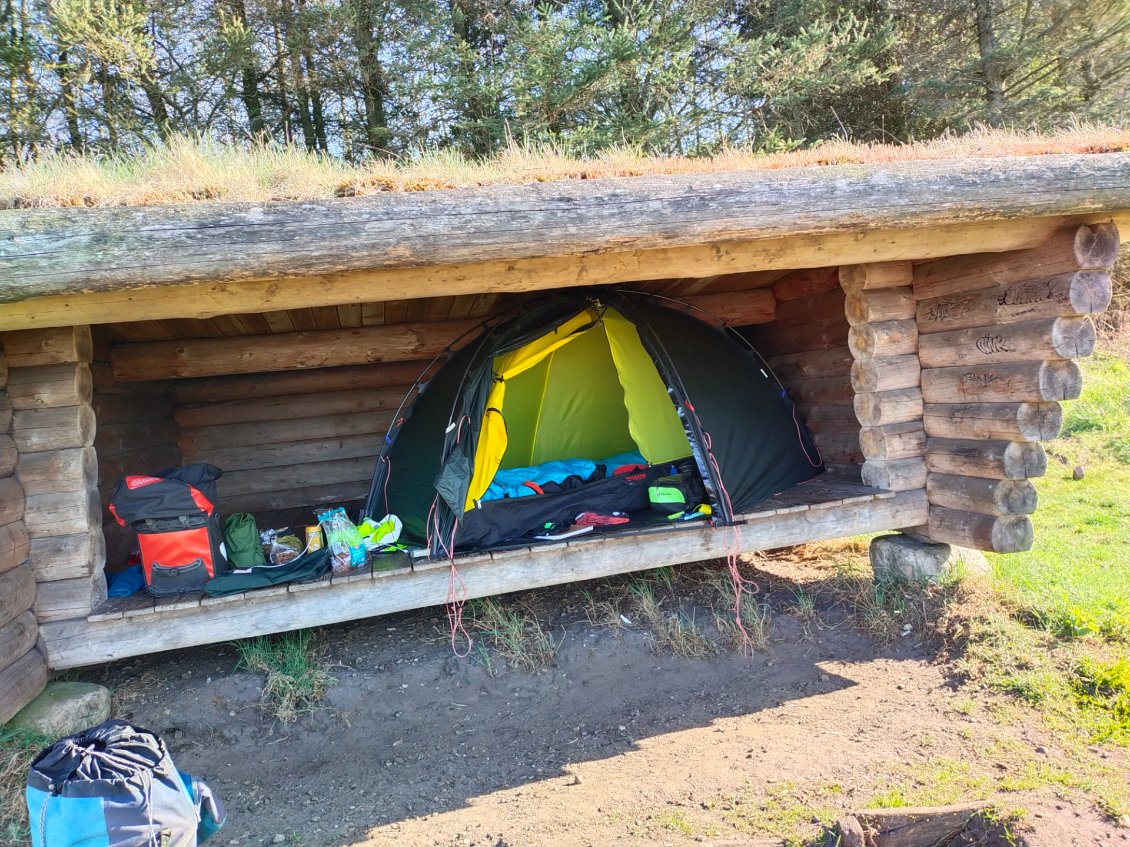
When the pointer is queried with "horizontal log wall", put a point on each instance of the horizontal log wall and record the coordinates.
(136, 434)
(289, 440)
(997, 333)
(54, 430)
(807, 347)
(886, 373)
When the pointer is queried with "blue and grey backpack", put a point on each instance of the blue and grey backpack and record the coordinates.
(116, 785)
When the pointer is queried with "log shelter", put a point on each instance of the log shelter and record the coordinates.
(924, 316)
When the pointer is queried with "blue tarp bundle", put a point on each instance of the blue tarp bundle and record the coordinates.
(115, 785)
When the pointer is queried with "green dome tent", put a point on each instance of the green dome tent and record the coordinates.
(584, 376)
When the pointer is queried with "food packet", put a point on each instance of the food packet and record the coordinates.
(285, 549)
(347, 549)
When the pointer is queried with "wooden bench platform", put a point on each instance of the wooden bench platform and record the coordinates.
(827, 507)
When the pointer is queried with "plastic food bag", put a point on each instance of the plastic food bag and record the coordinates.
(347, 549)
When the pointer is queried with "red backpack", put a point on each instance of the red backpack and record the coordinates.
(177, 527)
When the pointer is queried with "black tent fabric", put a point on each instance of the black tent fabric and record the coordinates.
(746, 438)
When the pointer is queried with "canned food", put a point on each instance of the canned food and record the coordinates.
(314, 537)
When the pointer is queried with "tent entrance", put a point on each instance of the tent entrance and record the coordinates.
(588, 390)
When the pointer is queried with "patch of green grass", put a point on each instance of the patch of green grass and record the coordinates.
(1104, 686)
(1076, 579)
(675, 822)
(297, 676)
(794, 813)
(1100, 418)
(518, 635)
(17, 749)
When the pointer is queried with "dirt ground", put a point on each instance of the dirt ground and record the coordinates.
(614, 744)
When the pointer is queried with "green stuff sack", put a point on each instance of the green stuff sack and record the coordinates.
(241, 537)
(675, 494)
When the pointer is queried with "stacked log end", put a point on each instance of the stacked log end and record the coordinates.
(809, 355)
(23, 667)
(50, 389)
(998, 334)
(885, 374)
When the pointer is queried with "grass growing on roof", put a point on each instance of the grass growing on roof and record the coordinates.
(297, 676)
(186, 170)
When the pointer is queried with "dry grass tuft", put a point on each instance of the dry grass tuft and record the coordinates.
(187, 170)
(673, 631)
(518, 635)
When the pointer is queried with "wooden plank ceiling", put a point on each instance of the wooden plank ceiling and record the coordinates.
(398, 311)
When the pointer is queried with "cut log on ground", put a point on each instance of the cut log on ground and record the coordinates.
(992, 533)
(1047, 338)
(989, 459)
(1079, 293)
(1074, 249)
(994, 421)
(922, 826)
(984, 496)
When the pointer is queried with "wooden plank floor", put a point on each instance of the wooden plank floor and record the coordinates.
(823, 492)
(814, 511)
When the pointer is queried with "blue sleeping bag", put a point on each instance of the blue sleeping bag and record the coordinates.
(512, 482)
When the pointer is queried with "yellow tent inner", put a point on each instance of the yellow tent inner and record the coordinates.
(586, 389)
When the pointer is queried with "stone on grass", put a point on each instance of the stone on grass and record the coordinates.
(900, 557)
(64, 708)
